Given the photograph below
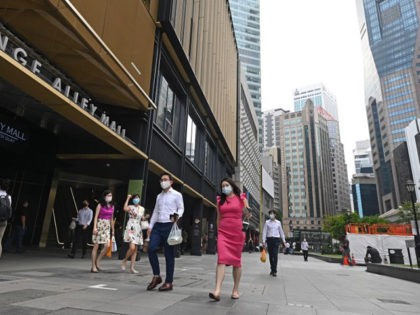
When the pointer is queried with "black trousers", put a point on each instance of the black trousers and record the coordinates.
(305, 254)
(273, 244)
(80, 239)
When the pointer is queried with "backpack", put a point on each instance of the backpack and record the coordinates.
(5, 208)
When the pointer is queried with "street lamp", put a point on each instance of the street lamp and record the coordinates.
(290, 227)
(410, 188)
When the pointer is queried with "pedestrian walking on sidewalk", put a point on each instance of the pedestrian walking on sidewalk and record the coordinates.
(102, 224)
(231, 206)
(305, 247)
(168, 209)
(19, 227)
(6, 208)
(133, 233)
(81, 233)
(272, 236)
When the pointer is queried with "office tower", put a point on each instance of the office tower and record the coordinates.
(412, 134)
(271, 163)
(271, 127)
(247, 172)
(363, 183)
(389, 32)
(362, 155)
(246, 23)
(364, 193)
(326, 104)
(319, 95)
(306, 171)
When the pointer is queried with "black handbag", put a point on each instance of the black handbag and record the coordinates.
(245, 225)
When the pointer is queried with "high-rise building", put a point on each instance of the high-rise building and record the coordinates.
(247, 172)
(363, 183)
(102, 95)
(362, 155)
(271, 127)
(326, 104)
(412, 134)
(246, 23)
(271, 163)
(306, 171)
(319, 95)
(389, 33)
(364, 193)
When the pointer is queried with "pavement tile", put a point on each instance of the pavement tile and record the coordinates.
(315, 287)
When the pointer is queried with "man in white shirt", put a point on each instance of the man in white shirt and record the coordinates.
(169, 208)
(81, 233)
(305, 247)
(272, 233)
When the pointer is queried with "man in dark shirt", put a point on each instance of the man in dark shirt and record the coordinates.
(19, 227)
(372, 255)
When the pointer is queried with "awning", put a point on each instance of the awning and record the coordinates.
(60, 32)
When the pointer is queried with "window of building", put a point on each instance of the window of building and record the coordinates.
(169, 109)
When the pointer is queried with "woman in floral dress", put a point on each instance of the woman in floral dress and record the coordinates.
(133, 233)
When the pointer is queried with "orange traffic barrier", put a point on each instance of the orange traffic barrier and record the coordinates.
(380, 228)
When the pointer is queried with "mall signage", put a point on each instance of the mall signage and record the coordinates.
(11, 133)
(28, 59)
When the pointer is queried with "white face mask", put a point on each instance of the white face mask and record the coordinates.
(108, 199)
(272, 216)
(227, 190)
(165, 184)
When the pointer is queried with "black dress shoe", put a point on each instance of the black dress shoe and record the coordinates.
(70, 256)
(274, 274)
(155, 281)
(166, 287)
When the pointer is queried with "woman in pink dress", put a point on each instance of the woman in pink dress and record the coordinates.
(231, 206)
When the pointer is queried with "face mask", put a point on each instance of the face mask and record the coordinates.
(108, 199)
(272, 216)
(165, 184)
(227, 190)
(136, 201)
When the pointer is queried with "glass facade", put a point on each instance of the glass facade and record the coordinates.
(392, 27)
(246, 22)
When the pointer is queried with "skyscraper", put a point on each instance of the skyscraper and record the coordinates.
(306, 172)
(363, 183)
(271, 127)
(389, 30)
(362, 155)
(246, 23)
(319, 95)
(326, 104)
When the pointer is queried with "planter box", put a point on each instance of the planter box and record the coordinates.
(395, 272)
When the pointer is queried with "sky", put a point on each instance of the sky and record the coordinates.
(304, 42)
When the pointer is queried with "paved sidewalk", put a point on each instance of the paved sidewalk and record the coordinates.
(41, 282)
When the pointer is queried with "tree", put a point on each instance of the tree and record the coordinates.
(406, 212)
(336, 225)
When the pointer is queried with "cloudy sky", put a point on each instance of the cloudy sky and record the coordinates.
(304, 42)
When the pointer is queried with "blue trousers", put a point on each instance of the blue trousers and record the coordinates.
(158, 238)
(273, 244)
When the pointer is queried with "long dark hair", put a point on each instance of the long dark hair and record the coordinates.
(103, 202)
(235, 189)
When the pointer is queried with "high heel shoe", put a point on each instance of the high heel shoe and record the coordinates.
(123, 265)
(94, 271)
(134, 271)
